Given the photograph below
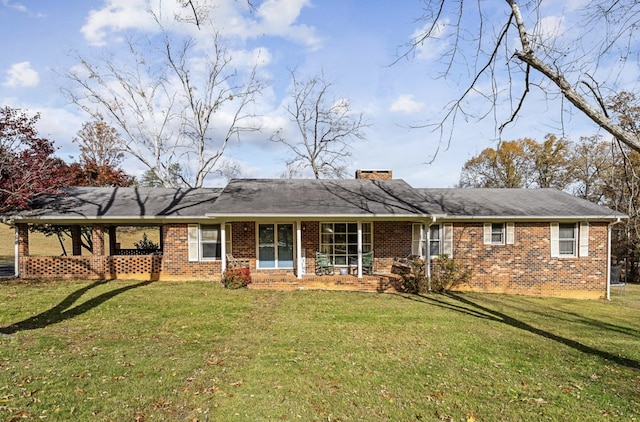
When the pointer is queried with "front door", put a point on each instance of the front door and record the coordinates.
(275, 245)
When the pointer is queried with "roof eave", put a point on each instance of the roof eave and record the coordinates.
(536, 217)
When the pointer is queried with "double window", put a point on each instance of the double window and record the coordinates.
(205, 241)
(340, 241)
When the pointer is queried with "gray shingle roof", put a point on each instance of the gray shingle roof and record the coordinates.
(512, 203)
(314, 198)
(306, 197)
(92, 202)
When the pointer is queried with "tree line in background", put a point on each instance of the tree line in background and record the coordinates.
(600, 170)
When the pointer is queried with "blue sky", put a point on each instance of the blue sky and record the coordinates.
(354, 42)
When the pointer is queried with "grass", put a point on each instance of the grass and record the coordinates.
(193, 351)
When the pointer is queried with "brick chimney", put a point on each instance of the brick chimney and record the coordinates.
(374, 174)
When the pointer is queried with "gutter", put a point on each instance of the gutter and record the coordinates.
(609, 227)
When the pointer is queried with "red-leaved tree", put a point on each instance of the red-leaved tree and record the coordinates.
(28, 168)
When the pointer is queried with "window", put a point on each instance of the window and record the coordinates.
(434, 240)
(340, 241)
(497, 233)
(570, 240)
(205, 241)
(210, 242)
(567, 239)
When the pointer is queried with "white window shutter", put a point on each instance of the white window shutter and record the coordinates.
(487, 233)
(555, 240)
(416, 239)
(584, 239)
(447, 242)
(511, 231)
(193, 242)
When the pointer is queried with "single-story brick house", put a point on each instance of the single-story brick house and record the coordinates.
(540, 242)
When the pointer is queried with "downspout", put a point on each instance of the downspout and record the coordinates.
(427, 272)
(16, 250)
(609, 227)
(299, 250)
(223, 247)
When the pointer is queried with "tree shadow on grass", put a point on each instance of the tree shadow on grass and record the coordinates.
(466, 306)
(62, 310)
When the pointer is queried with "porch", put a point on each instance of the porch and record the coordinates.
(377, 282)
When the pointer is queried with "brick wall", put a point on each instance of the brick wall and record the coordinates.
(527, 268)
(391, 239)
(374, 174)
(310, 244)
(139, 267)
(175, 257)
(243, 235)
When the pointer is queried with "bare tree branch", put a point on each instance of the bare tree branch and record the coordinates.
(326, 128)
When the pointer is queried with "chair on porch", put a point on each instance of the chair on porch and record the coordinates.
(615, 280)
(367, 263)
(233, 263)
(323, 264)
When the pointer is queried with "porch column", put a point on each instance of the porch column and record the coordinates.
(223, 246)
(298, 250)
(97, 236)
(22, 230)
(21, 246)
(359, 249)
(427, 261)
(76, 240)
(112, 240)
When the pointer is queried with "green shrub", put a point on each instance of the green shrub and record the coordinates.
(447, 274)
(236, 278)
(146, 244)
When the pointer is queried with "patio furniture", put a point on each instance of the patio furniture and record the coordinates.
(367, 263)
(615, 280)
(233, 263)
(323, 264)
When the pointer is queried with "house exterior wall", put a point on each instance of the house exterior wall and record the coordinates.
(527, 268)
(175, 257)
(391, 239)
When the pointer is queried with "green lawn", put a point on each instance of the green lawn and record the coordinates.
(127, 351)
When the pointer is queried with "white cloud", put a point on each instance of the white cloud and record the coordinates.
(18, 6)
(432, 46)
(406, 104)
(279, 18)
(116, 15)
(228, 17)
(21, 75)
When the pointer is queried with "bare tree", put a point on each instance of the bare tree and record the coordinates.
(325, 125)
(166, 99)
(99, 143)
(481, 35)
